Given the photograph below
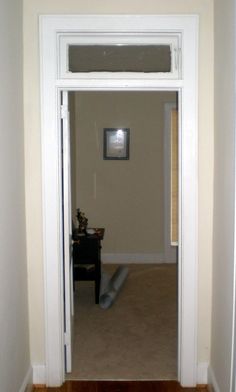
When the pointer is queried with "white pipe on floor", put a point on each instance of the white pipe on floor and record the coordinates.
(110, 287)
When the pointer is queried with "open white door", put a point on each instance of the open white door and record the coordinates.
(67, 231)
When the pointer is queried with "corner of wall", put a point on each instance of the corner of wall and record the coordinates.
(212, 383)
(27, 385)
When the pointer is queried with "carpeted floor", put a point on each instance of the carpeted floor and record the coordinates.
(136, 339)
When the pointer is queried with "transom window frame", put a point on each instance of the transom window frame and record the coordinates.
(105, 38)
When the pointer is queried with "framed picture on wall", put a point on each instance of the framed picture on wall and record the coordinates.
(116, 143)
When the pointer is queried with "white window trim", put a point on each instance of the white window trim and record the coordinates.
(50, 27)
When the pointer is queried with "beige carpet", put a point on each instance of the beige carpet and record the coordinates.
(136, 339)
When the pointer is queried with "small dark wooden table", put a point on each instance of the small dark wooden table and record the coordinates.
(87, 257)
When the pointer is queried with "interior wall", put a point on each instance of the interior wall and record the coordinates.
(14, 353)
(223, 244)
(32, 9)
(126, 197)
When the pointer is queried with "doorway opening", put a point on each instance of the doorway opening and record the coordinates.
(136, 201)
(55, 77)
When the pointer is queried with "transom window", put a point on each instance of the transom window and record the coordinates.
(122, 55)
(119, 58)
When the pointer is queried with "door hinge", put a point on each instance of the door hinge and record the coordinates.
(64, 111)
(66, 339)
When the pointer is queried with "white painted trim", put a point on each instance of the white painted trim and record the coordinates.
(187, 26)
(202, 373)
(28, 381)
(188, 212)
(170, 251)
(124, 84)
(67, 230)
(52, 215)
(212, 383)
(39, 374)
(133, 258)
(233, 346)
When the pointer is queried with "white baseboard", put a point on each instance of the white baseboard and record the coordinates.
(212, 383)
(27, 384)
(133, 258)
(39, 374)
(202, 373)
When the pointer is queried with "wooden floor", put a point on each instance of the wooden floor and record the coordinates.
(121, 386)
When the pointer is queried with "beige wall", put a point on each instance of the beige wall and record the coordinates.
(14, 352)
(223, 243)
(32, 9)
(128, 197)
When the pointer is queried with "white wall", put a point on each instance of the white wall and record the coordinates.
(14, 351)
(32, 8)
(223, 192)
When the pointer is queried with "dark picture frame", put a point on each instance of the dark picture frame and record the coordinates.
(116, 143)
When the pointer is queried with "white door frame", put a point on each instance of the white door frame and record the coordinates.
(67, 231)
(51, 28)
